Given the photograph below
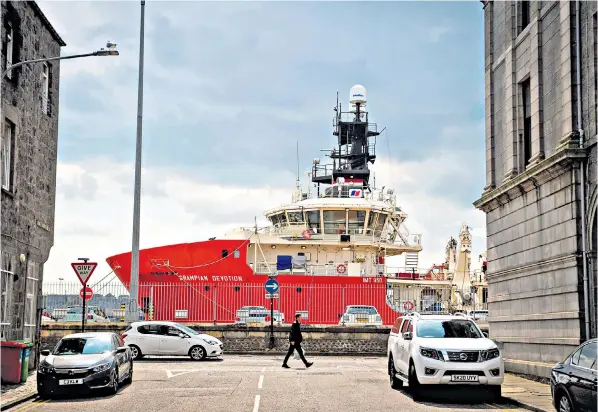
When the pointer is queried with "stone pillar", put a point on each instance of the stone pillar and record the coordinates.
(567, 84)
(489, 59)
(511, 91)
(536, 93)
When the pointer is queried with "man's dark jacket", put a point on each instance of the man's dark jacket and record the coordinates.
(295, 335)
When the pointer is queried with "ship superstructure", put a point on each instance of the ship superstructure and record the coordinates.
(328, 244)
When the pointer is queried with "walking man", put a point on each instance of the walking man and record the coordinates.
(295, 339)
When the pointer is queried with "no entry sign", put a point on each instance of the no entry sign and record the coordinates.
(86, 293)
(84, 270)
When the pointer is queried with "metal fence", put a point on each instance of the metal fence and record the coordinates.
(237, 303)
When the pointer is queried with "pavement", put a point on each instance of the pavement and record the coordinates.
(259, 384)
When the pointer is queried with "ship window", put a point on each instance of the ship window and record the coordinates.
(380, 222)
(313, 220)
(275, 219)
(356, 221)
(334, 222)
(283, 219)
(295, 217)
(372, 221)
(224, 253)
(236, 254)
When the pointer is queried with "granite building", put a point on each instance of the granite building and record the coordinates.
(29, 115)
(540, 194)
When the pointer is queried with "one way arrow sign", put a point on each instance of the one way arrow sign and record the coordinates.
(271, 286)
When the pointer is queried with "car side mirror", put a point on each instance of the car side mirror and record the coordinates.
(122, 349)
(407, 336)
(485, 334)
(182, 335)
(45, 352)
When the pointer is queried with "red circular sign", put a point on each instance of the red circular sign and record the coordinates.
(88, 293)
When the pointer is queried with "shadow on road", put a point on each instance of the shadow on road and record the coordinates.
(467, 397)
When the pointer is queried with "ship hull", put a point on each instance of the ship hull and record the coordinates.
(198, 282)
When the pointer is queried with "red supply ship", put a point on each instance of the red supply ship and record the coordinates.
(328, 249)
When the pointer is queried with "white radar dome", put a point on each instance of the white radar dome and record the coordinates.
(358, 95)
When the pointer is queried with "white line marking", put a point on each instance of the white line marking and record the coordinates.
(169, 373)
(261, 382)
(256, 404)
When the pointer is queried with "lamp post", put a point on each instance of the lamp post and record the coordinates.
(132, 314)
(109, 51)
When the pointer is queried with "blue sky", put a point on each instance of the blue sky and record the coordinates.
(230, 87)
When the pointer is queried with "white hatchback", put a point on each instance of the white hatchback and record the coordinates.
(442, 349)
(169, 339)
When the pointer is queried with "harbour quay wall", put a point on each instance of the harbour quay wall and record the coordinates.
(242, 339)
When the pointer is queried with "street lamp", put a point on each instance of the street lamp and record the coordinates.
(110, 50)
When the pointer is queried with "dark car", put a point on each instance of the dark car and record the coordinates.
(84, 361)
(573, 381)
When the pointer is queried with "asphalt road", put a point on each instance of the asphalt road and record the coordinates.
(259, 384)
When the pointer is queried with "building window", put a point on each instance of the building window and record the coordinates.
(525, 11)
(527, 123)
(45, 87)
(8, 138)
(31, 301)
(6, 285)
(10, 35)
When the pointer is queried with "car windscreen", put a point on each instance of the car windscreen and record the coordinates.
(362, 309)
(84, 346)
(189, 331)
(455, 328)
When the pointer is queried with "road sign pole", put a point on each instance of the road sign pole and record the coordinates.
(271, 323)
(83, 313)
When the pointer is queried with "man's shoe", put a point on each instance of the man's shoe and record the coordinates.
(286, 366)
(308, 364)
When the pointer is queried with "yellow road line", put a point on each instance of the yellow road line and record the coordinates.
(33, 404)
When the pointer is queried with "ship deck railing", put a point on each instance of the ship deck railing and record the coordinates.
(332, 269)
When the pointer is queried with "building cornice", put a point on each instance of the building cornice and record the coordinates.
(533, 177)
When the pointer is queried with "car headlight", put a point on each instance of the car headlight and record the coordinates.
(431, 353)
(211, 342)
(45, 367)
(486, 355)
(103, 367)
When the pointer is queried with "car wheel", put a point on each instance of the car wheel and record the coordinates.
(129, 379)
(136, 352)
(564, 403)
(395, 382)
(414, 386)
(197, 353)
(114, 382)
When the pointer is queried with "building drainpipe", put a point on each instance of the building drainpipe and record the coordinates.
(582, 170)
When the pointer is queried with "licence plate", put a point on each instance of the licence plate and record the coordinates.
(464, 378)
(363, 320)
(70, 381)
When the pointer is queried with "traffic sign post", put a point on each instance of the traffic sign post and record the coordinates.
(271, 287)
(84, 271)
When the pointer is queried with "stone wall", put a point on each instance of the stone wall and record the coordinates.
(247, 339)
(27, 216)
(533, 212)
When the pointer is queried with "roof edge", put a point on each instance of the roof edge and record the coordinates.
(47, 23)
